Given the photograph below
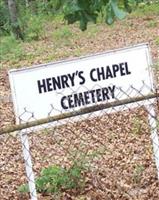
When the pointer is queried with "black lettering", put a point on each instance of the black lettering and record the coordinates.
(70, 101)
(108, 73)
(91, 75)
(86, 97)
(81, 77)
(92, 92)
(112, 90)
(100, 74)
(41, 86)
(63, 99)
(98, 93)
(64, 80)
(72, 78)
(78, 99)
(105, 93)
(115, 69)
(49, 84)
(56, 82)
(122, 69)
(126, 68)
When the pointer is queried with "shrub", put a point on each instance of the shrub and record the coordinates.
(55, 179)
(4, 20)
(32, 26)
(10, 48)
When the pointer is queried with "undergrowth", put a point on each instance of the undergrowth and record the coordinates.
(56, 179)
(10, 48)
(146, 10)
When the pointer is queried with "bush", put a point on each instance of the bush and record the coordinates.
(4, 20)
(55, 179)
(47, 7)
(34, 28)
(10, 48)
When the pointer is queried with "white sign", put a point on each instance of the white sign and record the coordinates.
(60, 87)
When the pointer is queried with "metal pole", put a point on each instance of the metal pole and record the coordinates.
(28, 165)
(82, 111)
(154, 134)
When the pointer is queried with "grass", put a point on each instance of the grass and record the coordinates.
(152, 23)
(50, 39)
(136, 126)
(34, 28)
(138, 172)
(93, 30)
(62, 33)
(146, 10)
(10, 48)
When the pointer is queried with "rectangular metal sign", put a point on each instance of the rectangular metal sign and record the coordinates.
(60, 87)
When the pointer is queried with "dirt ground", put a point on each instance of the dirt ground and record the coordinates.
(125, 170)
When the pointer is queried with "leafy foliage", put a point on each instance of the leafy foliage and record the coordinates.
(55, 179)
(89, 11)
(82, 11)
(34, 27)
(86, 11)
(11, 48)
(4, 19)
(73, 10)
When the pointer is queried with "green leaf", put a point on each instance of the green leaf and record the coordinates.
(58, 4)
(70, 8)
(90, 17)
(109, 15)
(40, 184)
(120, 14)
(72, 18)
(127, 6)
(83, 23)
(84, 4)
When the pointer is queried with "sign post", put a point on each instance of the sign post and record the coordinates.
(62, 87)
(154, 134)
(28, 165)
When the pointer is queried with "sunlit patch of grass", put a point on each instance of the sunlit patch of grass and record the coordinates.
(146, 10)
(62, 33)
(152, 24)
(11, 49)
(93, 30)
(136, 127)
(77, 52)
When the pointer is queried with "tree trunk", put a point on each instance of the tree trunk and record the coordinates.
(14, 20)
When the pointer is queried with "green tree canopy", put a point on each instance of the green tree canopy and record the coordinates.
(13, 12)
(86, 11)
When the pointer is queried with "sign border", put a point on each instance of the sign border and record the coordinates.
(72, 60)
